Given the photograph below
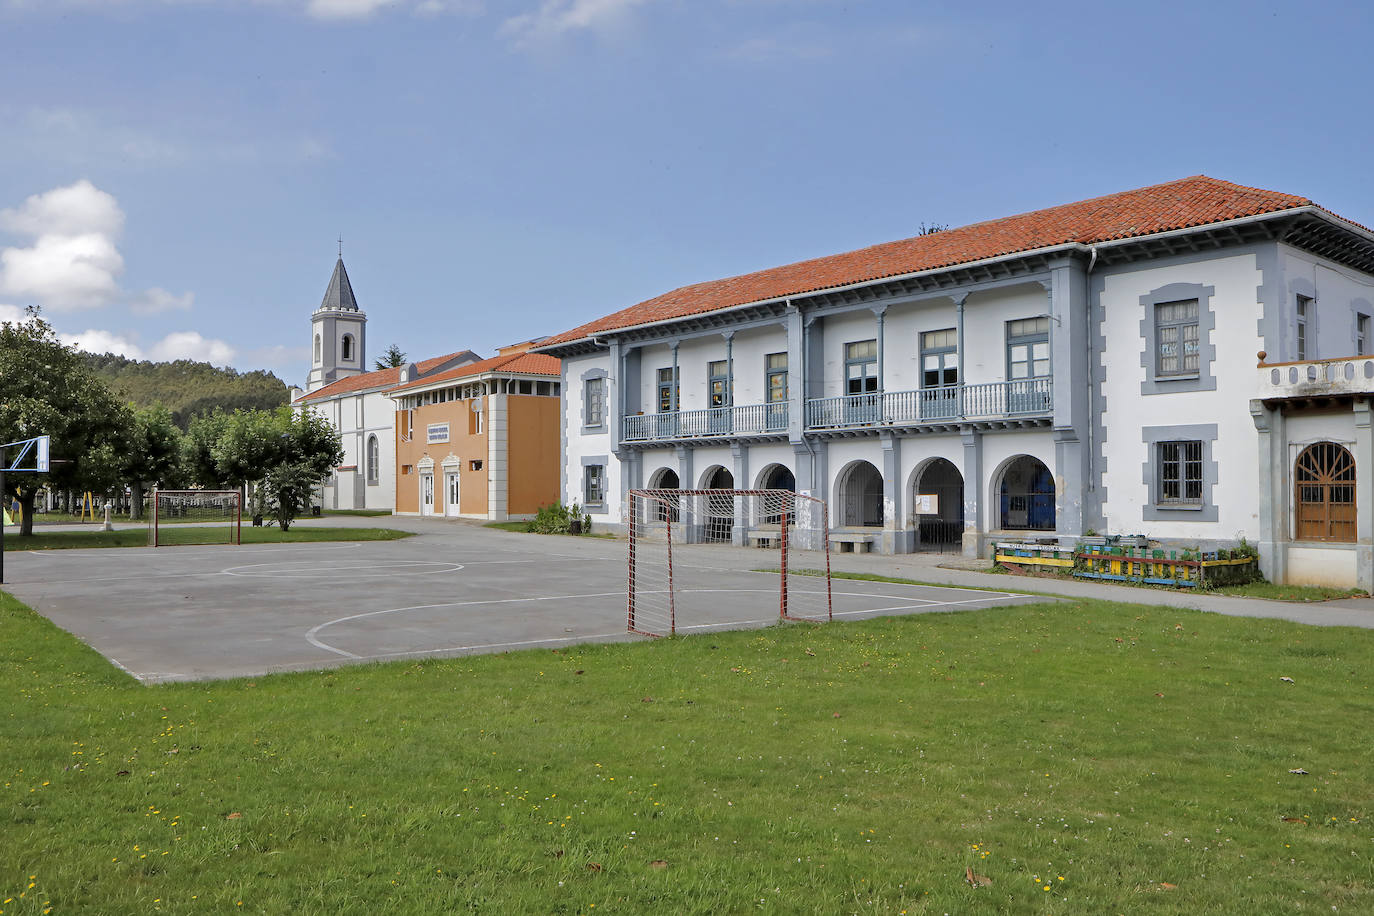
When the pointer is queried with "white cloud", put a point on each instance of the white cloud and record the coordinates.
(191, 345)
(73, 262)
(77, 209)
(94, 340)
(557, 17)
(157, 300)
(10, 314)
(346, 9)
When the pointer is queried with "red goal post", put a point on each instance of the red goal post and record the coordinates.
(666, 592)
(201, 509)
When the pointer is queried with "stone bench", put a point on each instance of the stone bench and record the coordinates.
(853, 541)
(764, 537)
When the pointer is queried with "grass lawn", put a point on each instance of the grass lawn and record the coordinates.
(1084, 757)
(138, 537)
(1287, 592)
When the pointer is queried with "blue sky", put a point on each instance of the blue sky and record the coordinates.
(174, 173)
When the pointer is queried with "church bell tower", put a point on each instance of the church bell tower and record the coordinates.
(338, 333)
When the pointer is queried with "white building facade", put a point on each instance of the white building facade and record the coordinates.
(1088, 369)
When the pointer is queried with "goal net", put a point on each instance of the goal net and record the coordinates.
(194, 517)
(675, 578)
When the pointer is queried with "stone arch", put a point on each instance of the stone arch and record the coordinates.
(717, 477)
(347, 349)
(664, 479)
(1023, 493)
(942, 479)
(776, 477)
(858, 496)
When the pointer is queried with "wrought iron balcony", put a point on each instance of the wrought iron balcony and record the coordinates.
(747, 420)
(948, 403)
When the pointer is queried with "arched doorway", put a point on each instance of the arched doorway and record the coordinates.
(860, 496)
(718, 512)
(943, 529)
(774, 477)
(1026, 496)
(1324, 494)
(667, 510)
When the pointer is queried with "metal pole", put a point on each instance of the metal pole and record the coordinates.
(4, 495)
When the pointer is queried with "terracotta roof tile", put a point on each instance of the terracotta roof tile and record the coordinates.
(379, 378)
(521, 363)
(1181, 204)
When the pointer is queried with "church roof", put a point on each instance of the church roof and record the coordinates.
(383, 378)
(339, 296)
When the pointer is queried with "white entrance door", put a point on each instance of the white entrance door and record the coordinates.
(426, 494)
(451, 493)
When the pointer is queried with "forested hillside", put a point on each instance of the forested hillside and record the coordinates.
(187, 388)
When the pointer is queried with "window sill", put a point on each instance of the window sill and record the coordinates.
(1179, 507)
(594, 429)
(1180, 377)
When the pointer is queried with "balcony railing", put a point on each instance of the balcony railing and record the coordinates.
(1029, 397)
(1316, 377)
(748, 420)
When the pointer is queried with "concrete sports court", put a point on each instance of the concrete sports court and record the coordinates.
(190, 613)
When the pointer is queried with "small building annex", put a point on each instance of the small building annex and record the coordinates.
(1091, 366)
(480, 440)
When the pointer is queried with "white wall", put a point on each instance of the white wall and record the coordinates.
(1340, 292)
(580, 444)
(1236, 281)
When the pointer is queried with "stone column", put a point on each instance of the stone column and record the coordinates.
(973, 490)
(896, 538)
(1273, 496)
(1071, 384)
(1364, 497)
(739, 454)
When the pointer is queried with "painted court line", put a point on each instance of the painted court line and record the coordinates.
(277, 571)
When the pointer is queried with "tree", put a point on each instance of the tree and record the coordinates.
(284, 452)
(153, 453)
(393, 358)
(198, 464)
(47, 389)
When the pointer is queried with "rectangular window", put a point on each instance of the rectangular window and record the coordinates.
(1028, 349)
(1180, 473)
(718, 383)
(436, 433)
(593, 402)
(1176, 338)
(667, 391)
(1304, 302)
(861, 367)
(939, 358)
(776, 377)
(593, 484)
(1361, 335)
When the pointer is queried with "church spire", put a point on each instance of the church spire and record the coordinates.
(339, 296)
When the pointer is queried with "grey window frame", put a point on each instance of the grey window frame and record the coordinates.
(869, 366)
(1157, 508)
(1202, 380)
(668, 385)
(942, 352)
(1361, 334)
(1180, 326)
(1187, 475)
(718, 373)
(1302, 309)
(1030, 340)
(590, 471)
(594, 393)
(770, 372)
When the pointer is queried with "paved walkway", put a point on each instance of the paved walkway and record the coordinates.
(939, 569)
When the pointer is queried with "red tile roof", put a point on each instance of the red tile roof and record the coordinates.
(380, 378)
(1181, 204)
(514, 363)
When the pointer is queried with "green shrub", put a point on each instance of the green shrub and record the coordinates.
(558, 519)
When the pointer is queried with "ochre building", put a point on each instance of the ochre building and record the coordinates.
(481, 440)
